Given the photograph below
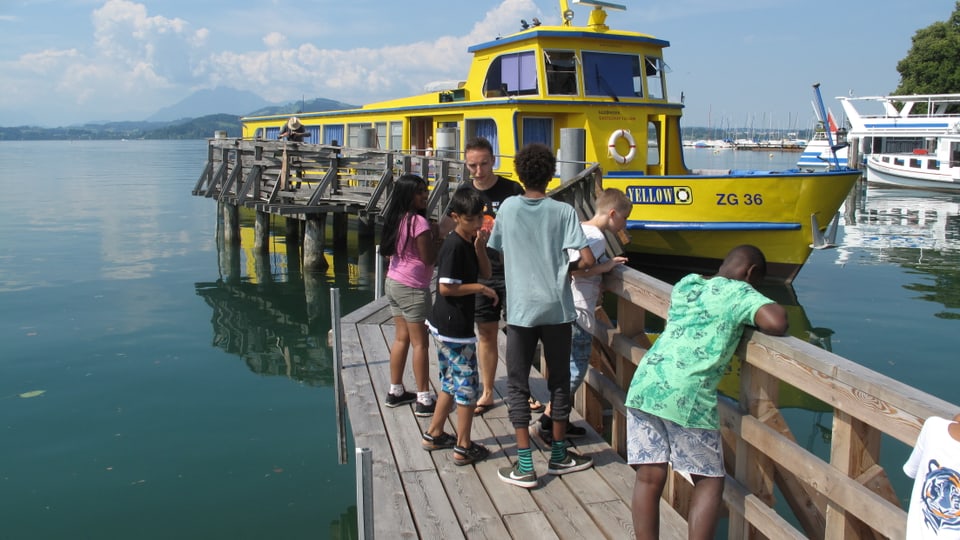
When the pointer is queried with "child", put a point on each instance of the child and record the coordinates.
(462, 259)
(534, 232)
(672, 400)
(935, 465)
(410, 241)
(613, 208)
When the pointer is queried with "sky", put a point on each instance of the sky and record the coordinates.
(749, 63)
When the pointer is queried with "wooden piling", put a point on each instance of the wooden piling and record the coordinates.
(231, 223)
(313, 242)
(261, 231)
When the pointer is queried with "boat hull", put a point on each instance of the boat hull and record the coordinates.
(889, 173)
(693, 221)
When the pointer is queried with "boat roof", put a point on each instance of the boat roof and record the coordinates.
(567, 33)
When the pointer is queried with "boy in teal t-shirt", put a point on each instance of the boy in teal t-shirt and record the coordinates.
(672, 400)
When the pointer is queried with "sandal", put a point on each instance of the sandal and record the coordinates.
(466, 456)
(535, 406)
(441, 441)
(482, 408)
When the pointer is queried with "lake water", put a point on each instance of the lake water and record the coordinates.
(154, 386)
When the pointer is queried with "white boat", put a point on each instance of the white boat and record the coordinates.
(935, 166)
(899, 124)
(816, 154)
(882, 125)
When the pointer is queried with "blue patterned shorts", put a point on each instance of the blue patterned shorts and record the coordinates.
(457, 363)
(651, 439)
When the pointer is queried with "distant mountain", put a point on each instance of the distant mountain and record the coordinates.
(220, 100)
(297, 107)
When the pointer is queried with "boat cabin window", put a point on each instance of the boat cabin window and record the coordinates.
(332, 133)
(653, 143)
(381, 134)
(655, 79)
(486, 128)
(612, 75)
(561, 67)
(511, 75)
(396, 135)
(954, 154)
(537, 130)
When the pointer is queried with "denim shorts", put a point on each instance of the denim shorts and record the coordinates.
(408, 302)
(651, 439)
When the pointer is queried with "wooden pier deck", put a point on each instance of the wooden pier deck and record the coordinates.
(419, 494)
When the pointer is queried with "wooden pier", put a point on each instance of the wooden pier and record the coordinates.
(305, 183)
(417, 494)
(774, 488)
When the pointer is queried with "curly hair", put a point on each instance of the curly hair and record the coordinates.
(535, 165)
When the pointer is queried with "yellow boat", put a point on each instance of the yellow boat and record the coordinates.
(600, 95)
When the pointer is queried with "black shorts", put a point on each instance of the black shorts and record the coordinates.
(484, 310)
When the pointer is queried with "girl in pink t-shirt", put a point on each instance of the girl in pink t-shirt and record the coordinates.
(410, 241)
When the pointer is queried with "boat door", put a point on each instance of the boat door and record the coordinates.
(421, 134)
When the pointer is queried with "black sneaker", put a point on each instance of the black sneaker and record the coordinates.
(423, 410)
(396, 401)
(441, 441)
(512, 475)
(574, 462)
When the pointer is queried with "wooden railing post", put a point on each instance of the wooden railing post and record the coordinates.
(759, 393)
(855, 450)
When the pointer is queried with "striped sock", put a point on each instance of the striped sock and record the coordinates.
(525, 459)
(558, 451)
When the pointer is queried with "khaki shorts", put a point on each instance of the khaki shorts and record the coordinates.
(408, 302)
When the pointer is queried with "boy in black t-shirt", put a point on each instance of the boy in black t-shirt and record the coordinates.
(462, 259)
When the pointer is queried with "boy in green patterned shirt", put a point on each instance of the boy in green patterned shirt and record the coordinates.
(672, 400)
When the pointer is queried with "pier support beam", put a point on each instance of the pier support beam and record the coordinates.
(293, 231)
(261, 236)
(231, 223)
(366, 227)
(313, 243)
(341, 227)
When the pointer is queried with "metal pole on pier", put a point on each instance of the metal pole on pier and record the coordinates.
(378, 273)
(364, 493)
(337, 379)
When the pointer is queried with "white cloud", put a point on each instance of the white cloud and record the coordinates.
(136, 61)
(357, 75)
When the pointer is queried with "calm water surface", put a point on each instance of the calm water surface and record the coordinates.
(186, 391)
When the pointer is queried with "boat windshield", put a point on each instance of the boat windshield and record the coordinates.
(512, 74)
(612, 75)
(561, 67)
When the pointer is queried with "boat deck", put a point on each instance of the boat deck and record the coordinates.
(419, 494)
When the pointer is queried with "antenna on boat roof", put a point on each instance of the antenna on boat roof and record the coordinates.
(601, 4)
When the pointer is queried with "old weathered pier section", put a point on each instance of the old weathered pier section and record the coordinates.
(305, 183)
(775, 488)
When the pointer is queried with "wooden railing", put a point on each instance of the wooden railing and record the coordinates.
(303, 178)
(849, 496)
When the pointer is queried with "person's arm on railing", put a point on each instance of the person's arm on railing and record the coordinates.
(772, 319)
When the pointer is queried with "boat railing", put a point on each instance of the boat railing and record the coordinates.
(845, 495)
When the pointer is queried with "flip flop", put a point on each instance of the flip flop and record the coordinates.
(482, 408)
(535, 406)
